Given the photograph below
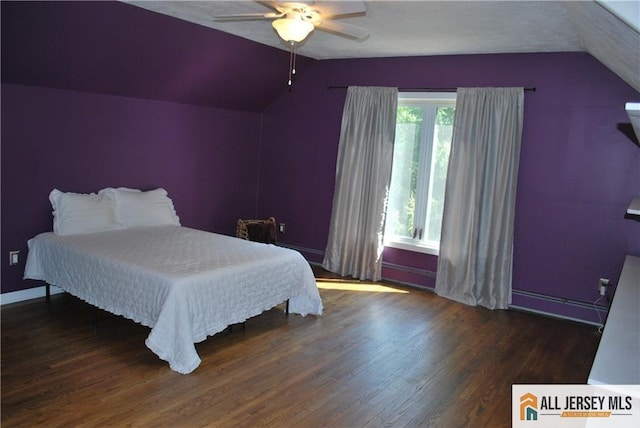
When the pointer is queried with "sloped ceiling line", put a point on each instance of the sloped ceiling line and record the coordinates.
(609, 39)
(606, 29)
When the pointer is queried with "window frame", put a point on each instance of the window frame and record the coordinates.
(434, 100)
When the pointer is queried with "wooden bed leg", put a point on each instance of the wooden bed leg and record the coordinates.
(286, 312)
(47, 287)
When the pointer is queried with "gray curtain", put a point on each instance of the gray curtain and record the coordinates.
(476, 244)
(363, 172)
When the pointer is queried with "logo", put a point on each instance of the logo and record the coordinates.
(575, 406)
(528, 407)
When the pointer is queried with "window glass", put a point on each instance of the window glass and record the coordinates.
(424, 126)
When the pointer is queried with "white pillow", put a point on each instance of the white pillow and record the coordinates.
(77, 213)
(112, 190)
(144, 209)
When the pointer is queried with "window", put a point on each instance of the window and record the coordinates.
(424, 126)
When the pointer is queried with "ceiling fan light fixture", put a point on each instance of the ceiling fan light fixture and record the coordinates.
(292, 30)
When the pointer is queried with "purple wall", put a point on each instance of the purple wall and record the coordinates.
(115, 48)
(72, 138)
(206, 158)
(578, 171)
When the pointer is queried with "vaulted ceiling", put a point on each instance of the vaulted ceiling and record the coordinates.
(153, 50)
(608, 30)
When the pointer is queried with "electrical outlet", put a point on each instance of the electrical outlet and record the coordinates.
(13, 257)
(281, 228)
(603, 283)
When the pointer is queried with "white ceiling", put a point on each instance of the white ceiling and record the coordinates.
(608, 30)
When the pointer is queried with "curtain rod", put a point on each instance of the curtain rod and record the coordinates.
(532, 89)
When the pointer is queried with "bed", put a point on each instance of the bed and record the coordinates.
(185, 284)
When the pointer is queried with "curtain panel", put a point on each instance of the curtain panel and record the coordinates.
(363, 173)
(476, 244)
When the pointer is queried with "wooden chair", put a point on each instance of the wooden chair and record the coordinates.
(257, 230)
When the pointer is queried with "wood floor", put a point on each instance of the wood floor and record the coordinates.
(389, 356)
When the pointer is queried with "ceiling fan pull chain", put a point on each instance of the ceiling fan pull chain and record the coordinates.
(293, 69)
(291, 62)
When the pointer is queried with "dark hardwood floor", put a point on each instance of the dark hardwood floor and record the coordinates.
(386, 356)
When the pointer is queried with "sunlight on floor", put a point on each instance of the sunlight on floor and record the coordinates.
(328, 284)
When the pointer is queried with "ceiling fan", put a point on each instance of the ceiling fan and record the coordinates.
(294, 21)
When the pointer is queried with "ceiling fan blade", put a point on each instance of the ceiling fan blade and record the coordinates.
(338, 8)
(283, 6)
(343, 29)
(248, 16)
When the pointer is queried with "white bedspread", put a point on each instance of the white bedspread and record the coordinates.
(185, 284)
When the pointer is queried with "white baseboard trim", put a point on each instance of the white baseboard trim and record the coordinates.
(554, 315)
(28, 294)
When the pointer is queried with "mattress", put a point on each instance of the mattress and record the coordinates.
(184, 284)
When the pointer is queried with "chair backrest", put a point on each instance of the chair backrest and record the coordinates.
(257, 230)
